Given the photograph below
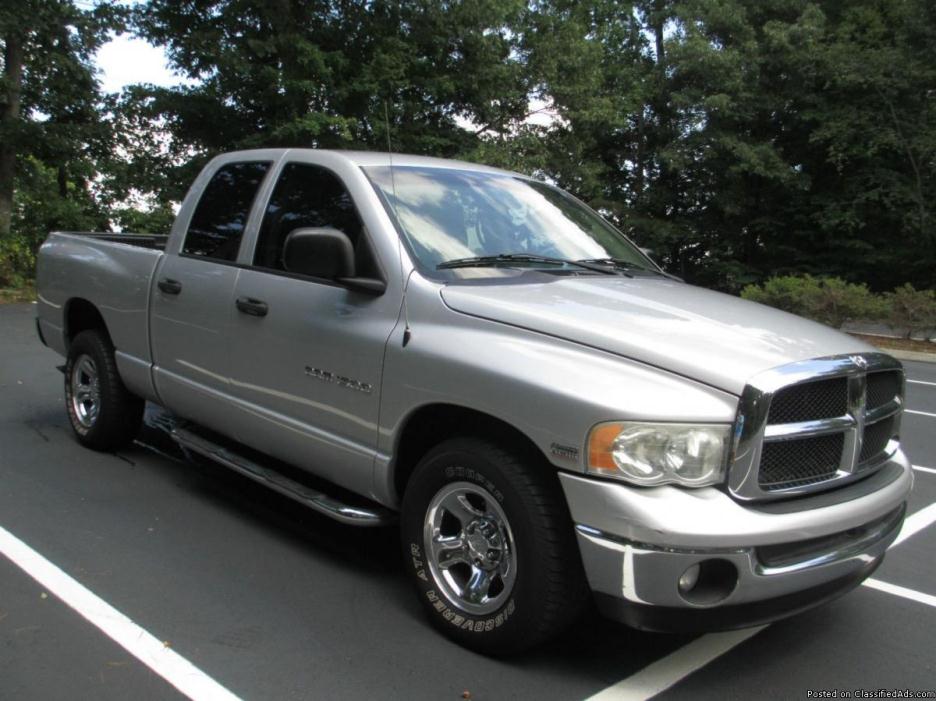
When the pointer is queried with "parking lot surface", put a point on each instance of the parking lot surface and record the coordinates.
(270, 601)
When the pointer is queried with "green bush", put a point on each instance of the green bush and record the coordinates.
(789, 293)
(831, 301)
(17, 261)
(911, 308)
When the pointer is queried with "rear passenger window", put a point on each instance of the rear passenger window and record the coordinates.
(309, 196)
(221, 215)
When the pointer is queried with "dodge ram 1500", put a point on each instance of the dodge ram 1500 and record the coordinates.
(549, 415)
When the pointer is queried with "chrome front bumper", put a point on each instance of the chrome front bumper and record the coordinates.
(636, 544)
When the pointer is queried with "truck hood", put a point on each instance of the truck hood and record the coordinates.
(708, 336)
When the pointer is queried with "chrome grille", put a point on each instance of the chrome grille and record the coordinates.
(788, 464)
(810, 401)
(876, 437)
(882, 388)
(815, 424)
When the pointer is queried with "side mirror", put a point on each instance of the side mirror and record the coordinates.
(326, 253)
(322, 252)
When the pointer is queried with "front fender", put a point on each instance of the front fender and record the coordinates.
(552, 390)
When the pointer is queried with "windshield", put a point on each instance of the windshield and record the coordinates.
(448, 215)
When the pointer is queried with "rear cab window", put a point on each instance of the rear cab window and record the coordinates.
(218, 223)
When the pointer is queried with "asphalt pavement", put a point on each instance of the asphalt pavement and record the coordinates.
(275, 602)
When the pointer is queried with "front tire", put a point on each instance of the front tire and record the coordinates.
(103, 413)
(489, 546)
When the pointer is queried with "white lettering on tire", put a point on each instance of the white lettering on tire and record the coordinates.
(476, 625)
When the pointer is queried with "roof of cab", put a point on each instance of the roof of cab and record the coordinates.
(377, 158)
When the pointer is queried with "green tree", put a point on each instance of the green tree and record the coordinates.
(745, 138)
(49, 99)
(332, 73)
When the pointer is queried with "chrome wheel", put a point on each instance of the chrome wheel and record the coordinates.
(85, 391)
(470, 547)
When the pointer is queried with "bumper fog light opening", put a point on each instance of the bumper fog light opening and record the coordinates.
(708, 582)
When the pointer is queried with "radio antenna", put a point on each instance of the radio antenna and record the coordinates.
(386, 112)
(407, 334)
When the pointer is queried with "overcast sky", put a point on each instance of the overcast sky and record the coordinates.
(125, 60)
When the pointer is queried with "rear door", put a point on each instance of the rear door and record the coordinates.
(192, 301)
(307, 372)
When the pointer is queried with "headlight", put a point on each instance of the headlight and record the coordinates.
(692, 455)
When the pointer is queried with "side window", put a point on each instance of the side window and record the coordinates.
(309, 196)
(221, 215)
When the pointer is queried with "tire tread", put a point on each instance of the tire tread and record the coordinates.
(121, 412)
(563, 586)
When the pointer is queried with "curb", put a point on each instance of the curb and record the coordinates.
(911, 355)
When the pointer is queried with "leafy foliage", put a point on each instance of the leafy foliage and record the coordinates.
(49, 99)
(329, 74)
(911, 308)
(739, 140)
(833, 301)
(17, 260)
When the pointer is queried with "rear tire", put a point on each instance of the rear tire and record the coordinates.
(103, 413)
(489, 546)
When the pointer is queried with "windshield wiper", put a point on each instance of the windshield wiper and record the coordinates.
(617, 263)
(475, 261)
(623, 265)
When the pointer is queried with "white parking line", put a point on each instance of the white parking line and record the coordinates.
(921, 413)
(924, 469)
(156, 655)
(915, 523)
(927, 599)
(921, 382)
(665, 672)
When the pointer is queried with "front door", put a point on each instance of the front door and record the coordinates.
(306, 353)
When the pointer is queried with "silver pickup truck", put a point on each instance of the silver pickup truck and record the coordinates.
(552, 418)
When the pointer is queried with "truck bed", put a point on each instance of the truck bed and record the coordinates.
(112, 272)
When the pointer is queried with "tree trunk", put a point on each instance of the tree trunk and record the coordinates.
(62, 180)
(9, 115)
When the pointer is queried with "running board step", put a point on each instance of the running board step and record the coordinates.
(314, 499)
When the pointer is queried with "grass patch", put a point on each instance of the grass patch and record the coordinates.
(25, 293)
